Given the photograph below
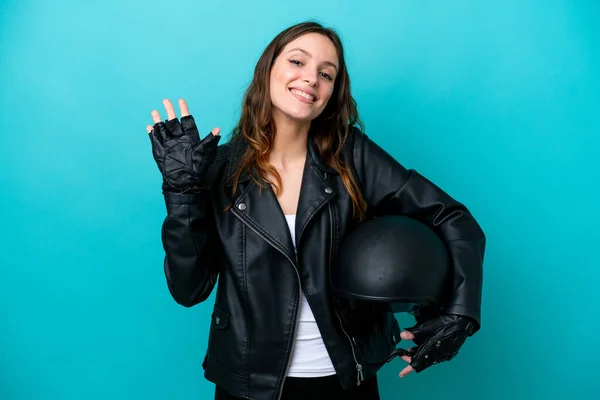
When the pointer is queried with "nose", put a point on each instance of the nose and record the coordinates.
(311, 78)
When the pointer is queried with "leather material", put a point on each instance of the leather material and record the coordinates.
(246, 252)
(181, 156)
(438, 339)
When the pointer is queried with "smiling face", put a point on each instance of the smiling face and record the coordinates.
(302, 78)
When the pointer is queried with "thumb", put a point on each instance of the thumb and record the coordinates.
(423, 331)
(216, 131)
(407, 335)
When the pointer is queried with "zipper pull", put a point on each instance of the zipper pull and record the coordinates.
(359, 374)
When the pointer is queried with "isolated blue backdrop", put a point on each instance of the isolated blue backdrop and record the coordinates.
(497, 102)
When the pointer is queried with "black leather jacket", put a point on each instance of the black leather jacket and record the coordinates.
(248, 247)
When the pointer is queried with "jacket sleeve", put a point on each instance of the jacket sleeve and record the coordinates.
(390, 188)
(190, 242)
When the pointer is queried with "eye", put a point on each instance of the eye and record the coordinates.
(295, 62)
(326, 76)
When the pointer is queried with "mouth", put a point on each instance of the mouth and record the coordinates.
(302, 95)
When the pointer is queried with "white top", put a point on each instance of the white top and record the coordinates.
(309, 355)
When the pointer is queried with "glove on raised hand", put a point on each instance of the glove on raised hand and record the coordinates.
(181, 156)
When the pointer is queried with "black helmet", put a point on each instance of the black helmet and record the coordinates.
(394, 260)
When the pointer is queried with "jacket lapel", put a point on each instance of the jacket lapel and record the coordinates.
(260, 209)
(315, 192)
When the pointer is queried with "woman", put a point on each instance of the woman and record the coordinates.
(265, 213)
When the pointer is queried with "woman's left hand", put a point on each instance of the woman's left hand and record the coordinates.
(406, 335)
(438, 339)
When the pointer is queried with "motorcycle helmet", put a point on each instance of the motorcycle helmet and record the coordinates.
(393, 261)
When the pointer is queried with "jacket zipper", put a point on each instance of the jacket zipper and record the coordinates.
(359, 372)
(289, 361)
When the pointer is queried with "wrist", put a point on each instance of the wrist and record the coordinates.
(467, 324)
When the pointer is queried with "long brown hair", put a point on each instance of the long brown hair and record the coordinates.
(330, 128)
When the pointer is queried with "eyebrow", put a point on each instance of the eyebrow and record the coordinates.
(310, 55)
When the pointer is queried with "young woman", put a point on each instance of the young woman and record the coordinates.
(265, 213)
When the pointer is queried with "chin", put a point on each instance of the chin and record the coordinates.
(301, 115)
(293, 112)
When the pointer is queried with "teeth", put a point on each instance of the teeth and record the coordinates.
(303, 94)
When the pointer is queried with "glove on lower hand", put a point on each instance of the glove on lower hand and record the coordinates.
(181, 156)
(438, 339)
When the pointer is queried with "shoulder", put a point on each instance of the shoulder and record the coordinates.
(362, 149)
(217, 171)
(226, 161)
(354, 141)
(370, 160)
(223, 153)
(359, 142)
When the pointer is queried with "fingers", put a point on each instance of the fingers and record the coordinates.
(216, 131)
(412, 351)
(169, 108)
(184, 108)
(408, 369)
(155, 116)
(406, 335)
(420, 333)
(171, 115)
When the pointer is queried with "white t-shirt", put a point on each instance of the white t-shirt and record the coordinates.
(309, 355)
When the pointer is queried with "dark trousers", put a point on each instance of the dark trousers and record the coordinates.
(319, 388)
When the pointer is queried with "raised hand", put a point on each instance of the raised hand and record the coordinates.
(181, 156)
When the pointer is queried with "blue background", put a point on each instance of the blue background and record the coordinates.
(496, 102)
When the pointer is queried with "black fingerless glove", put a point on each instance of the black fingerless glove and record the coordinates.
(181, 156)
(438, 339)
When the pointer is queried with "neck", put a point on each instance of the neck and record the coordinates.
(289, 144)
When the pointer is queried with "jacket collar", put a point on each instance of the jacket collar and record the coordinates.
(239, 147)
(260, 210)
